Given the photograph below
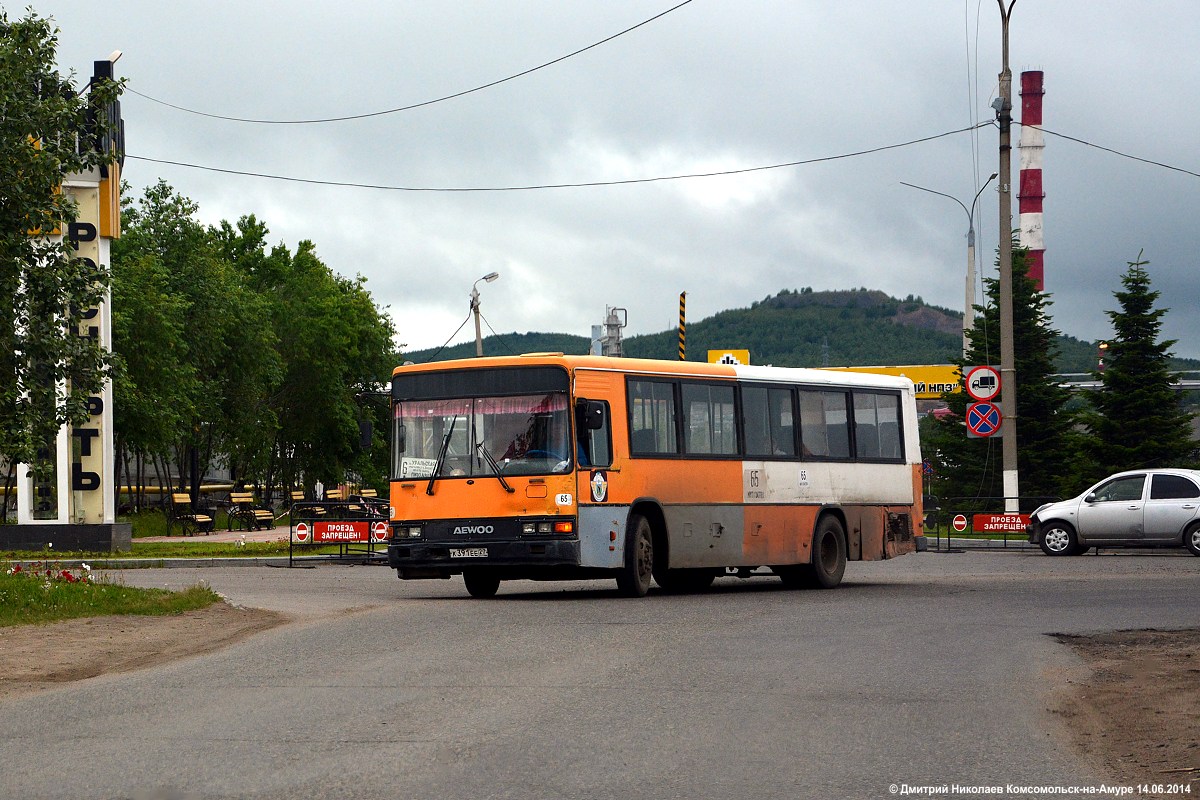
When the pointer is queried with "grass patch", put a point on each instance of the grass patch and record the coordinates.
(189, 548)
(47, 593)
(181, 548)
(153, 522)
(184, 548)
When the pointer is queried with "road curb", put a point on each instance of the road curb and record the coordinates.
(155, 563)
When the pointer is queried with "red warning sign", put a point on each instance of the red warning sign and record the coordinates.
(379, 531)
(959, 522)
(341, 531)
(301, 532)
(1000, 523)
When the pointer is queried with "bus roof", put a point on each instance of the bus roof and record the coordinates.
(647, 366)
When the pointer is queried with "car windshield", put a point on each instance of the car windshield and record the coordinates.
(521, 435)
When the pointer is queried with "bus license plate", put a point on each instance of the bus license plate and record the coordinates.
(468, 552)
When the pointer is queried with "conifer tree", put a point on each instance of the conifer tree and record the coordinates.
(1138, 421)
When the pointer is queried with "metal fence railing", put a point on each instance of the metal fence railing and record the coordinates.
(956, 524)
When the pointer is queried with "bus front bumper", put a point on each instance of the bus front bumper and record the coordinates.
(450, 558)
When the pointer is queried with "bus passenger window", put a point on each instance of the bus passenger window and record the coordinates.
(652, 417)
(877, 426)
(767, 419)
(709, 426)
(824, 424)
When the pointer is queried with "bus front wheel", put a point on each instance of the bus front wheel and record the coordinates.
(480, 583)
(633, 580)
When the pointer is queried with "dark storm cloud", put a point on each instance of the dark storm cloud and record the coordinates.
(711, 86)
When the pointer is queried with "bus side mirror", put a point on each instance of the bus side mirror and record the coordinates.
(592, 414)
(365, 434)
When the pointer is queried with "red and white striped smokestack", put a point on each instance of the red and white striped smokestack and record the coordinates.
(1031, 193)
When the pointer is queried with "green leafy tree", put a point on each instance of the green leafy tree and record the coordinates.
(149, 397)
(47, 371)
(1046, 436)
(215, 355)
(338, 347)
(1138, 420)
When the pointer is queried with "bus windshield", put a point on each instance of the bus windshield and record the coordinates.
(518, 435)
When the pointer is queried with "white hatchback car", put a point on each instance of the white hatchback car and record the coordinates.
(1139, 508)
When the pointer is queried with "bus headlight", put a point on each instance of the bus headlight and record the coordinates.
(548, 527)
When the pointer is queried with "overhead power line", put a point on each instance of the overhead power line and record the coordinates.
(1119, 153)
(421, 104)
(583, 184)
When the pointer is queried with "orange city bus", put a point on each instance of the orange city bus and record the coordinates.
(553, 467)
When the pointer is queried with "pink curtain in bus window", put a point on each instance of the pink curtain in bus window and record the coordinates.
(528, 404)
(433, 408)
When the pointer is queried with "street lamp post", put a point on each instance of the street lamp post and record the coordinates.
(969, 304)
(1008, 361)
(491, 276)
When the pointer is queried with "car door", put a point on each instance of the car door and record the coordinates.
(1174, 502)
(1114, 511)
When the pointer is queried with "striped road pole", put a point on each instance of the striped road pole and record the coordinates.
(682, 326)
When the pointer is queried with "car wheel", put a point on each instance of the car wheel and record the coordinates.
(1191, 538)
(1058, 539)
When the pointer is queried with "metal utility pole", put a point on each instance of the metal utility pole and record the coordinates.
(491, 276)
(969, 302)
(1008, 370)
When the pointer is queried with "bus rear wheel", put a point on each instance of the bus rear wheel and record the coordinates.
(633, 579)
(828, 553)
(481, 583)
(828, 559)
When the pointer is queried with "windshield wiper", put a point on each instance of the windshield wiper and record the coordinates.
(495, 467)
(437, 467)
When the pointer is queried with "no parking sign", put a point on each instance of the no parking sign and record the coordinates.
(983, 420)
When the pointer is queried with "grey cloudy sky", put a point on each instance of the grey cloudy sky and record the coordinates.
(711, 86)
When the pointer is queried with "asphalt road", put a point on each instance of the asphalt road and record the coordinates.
(932, 669)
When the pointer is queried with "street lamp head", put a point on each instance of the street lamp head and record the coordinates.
(491, 276)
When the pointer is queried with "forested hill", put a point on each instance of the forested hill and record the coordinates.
(805, 328)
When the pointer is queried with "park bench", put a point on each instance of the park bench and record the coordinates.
(365, 503)
(189, 519)
(248, 513)
(302, 508)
